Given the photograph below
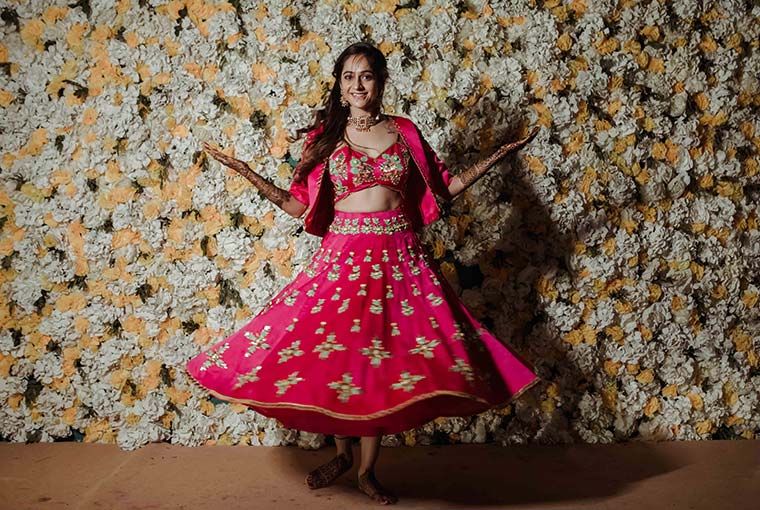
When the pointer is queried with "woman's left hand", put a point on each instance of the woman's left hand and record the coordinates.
(467, 177)
(516, 145)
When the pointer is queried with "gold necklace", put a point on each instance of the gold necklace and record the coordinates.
(365, 122)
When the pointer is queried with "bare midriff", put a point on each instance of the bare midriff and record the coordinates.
(373, 199)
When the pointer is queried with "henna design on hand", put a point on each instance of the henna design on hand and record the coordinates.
(475, 172)
(275, 194)
(272, 192)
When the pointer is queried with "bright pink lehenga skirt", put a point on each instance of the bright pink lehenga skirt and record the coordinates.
(368, 339)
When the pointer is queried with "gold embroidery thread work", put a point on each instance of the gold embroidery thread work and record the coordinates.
(369, 225)
(250, 376)
(407, 381)
(284, 385)
(345, 387)
(376, 353)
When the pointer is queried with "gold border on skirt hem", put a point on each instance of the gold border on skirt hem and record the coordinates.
(358, 417)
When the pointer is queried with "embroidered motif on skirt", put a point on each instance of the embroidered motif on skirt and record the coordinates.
(368, 339)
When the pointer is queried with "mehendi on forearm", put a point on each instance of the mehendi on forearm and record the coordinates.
(476, 171)
(275, 194)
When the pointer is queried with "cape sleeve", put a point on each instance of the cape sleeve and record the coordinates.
(438, 169)
(300, 190)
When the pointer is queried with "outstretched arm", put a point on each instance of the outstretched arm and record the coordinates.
(466, 178)
(280, 197)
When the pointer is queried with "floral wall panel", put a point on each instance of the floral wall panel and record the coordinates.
(619, 251)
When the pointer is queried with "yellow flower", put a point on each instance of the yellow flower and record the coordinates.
(573, 337)
(6, 97)
(31, 32)
(696, 400)
(609, 395)
(125, 237)
(652, 406)
(100, 432)
(565, 42)
(645, 376)
(439, 249)
(704, 427)
(75, 301)
(213, 220)
(742, 340)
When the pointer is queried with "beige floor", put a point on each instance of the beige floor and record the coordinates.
(715, 475)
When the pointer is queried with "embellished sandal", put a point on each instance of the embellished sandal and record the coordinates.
(326, 474)
(369, 485)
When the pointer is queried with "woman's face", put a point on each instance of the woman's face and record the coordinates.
(358, 83)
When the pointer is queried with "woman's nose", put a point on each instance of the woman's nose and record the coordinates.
(359, 85)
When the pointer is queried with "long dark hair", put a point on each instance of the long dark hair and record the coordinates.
(333, 117)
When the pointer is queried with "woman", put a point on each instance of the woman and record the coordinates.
(370, 338)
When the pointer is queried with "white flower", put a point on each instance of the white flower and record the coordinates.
(440, 27)
(465, 83)
(132, 437)
(209, 187)
(413, 27)
(235, 245)
(195, 428)
(220, 318)
(441, 73)
(48, 366)
(264, 290)
(296, 116)
(564, 316)
(404, 75)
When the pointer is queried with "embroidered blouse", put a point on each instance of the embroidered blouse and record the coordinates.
(351, 170)
(428, 178)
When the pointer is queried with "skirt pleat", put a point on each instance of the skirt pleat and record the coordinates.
(368, 339)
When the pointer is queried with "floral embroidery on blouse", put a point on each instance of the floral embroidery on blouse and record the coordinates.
(352, 170)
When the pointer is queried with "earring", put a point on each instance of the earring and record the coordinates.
(343, 101)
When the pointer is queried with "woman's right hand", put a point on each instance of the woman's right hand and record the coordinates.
(280, 197)
(239, 166)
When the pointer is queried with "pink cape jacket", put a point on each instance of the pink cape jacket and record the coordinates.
(428, 176)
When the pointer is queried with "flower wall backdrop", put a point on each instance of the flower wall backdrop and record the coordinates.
(619, 252)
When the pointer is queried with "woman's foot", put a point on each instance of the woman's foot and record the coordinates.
(369, 485)
(326, 474)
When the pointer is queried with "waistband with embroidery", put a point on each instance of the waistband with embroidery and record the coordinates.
(369, 224)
